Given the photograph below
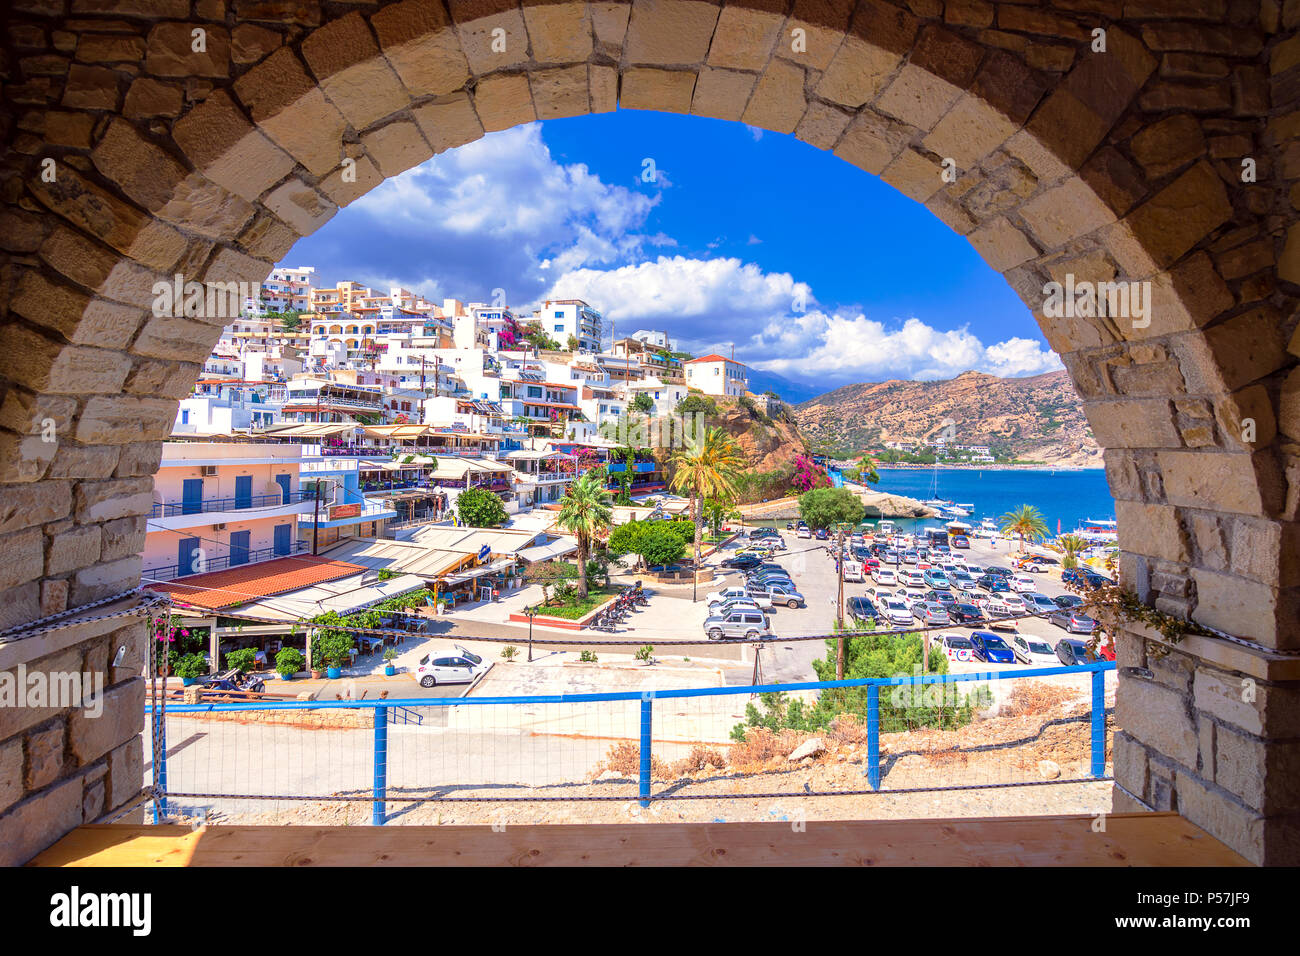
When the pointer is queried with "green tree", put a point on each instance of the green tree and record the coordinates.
(867, 469)
(826, 507)
(697, 405)
(660, 545)
(707, 469)
(1026, 521)
(480, 508)
(643, 403)
(1072, 545)
(585, 513)
(623, 538)
(573, 343)
(716, 512)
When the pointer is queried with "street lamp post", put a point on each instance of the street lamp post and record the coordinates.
(530, 611)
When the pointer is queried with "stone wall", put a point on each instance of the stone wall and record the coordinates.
(150, 138)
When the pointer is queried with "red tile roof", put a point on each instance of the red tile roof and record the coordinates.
(712, 358)
(218, 589)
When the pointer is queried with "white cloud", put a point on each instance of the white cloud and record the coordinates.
(711, 303)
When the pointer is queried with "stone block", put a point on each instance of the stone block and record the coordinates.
(422, 47)
(663, 90)
(504, 100)
(722, 94)
(670, 32)
(395, 147)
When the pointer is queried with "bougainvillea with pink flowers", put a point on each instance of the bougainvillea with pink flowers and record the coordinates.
(809, 475)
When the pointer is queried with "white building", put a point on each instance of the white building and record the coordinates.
(560, 318)
(717, 375)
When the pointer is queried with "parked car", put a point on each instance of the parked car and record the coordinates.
(941, 597)
(822, 534)
(1014, 602)
(854, 571)
(956, 647)
(1039, 603)
(743, 562)
(911, 579)
(911, 557)
(726, 607)
(743, 623)
(1035, 563)
(884, 576)
(726, 594)
(1032, 650)
(803, 533)
(765, 578)
(991, 649)
(1022, 582)
(965, 614)
(458, 666)
(862, 609)
(930, 613)
(777, 592)
(994, 583)
(936, 579)
(994, 569)
(1067, 600)
(897, 610)
(1084, 577)
(962, 581)
(1070, 652)
(1074, 621)
(960, 541)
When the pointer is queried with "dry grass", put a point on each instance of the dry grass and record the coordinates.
(625, 758)
(700, 758)
(1033, 698)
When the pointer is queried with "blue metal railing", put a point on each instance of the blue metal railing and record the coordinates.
(237, 503)
(384, 714)
(252, 556)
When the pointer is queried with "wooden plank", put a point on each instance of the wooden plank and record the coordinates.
(1136, 839)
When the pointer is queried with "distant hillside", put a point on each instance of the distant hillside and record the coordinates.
(1038, 418)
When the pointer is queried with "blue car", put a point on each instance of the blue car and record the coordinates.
(937, 580)
(991, 649)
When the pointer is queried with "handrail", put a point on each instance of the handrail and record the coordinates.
(171, 509)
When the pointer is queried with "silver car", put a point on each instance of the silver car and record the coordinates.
(741, 622)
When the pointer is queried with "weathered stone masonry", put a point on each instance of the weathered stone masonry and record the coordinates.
(1123, 165)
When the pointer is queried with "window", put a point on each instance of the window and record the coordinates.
(185, 417)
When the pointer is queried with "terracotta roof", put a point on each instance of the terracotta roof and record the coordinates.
(218, 589)
(713, 358)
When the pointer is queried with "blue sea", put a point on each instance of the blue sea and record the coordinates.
(1064, 497)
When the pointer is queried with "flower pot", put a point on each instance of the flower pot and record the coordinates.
(334, 673)
(315, 674)
(389, 670)
(286, 677)
(188, 681)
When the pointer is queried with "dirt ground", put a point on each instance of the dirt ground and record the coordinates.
(1031, 757)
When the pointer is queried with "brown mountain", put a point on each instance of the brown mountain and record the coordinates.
(1038, 418)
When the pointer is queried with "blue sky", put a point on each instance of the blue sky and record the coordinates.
(817, 272)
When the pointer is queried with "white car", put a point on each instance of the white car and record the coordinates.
(456, 666)
(1033, 650)
(732, 594)
(803, 533)
(853, 571)
(955, 647)
(911, 579)
(1015, 602)
(884, 576)
(898, 611)
(962, 581)
(1022, 582)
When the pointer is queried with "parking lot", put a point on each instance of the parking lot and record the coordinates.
(813, 571)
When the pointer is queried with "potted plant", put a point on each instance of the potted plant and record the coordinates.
(335, 646)
(242, 660)
(190, 668)
(289, 662)
(390, 655)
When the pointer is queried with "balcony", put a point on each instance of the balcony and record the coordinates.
(170, 572)
(237, 503)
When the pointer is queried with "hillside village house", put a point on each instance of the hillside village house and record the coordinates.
(716, 375)
(220, 505)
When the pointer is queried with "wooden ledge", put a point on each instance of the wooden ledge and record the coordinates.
(1130, 839)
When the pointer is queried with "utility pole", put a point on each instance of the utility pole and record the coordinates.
(839, 643)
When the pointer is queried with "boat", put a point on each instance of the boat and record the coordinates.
(988, 524)
(953, 511)
(966, 506)
(1098, 530)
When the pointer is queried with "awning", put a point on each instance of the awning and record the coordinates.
(452, 580)
(545, 552)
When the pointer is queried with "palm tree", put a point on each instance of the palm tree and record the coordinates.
(1026, 521)
(585, 512)
(707, 469)
(1072, 545)
(867, 470)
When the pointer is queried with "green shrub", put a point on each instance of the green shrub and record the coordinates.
(190, 666)
(289, 661)
(510, 652)
(242, 660)
(588, 657)
(645, 652)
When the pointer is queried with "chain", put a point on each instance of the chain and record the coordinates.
(56, 622)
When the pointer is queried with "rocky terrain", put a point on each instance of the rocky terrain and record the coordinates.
(1037, 418)
(766, 445)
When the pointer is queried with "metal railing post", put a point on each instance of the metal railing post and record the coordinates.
(647, 705)
(1098, 723)
(377, 812)
(160, 763)
(873, 736)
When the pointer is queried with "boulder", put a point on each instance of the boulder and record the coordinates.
(813, 747)
(1049, 769)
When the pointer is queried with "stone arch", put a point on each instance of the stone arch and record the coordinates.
(1115, 166)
